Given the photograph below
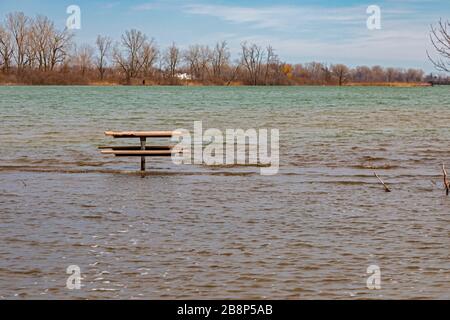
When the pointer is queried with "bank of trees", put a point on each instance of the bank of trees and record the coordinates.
(323, 74)
(35, 51)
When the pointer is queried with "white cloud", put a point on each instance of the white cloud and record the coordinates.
(144, 6)
(109, 5)
(388, 48)
(329, 34)
(278, 16)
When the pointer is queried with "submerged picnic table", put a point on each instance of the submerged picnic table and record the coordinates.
(141, 150)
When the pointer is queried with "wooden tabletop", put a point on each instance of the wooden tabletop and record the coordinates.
(141, 134)
(139, 153)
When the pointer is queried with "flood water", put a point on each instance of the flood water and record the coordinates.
(196, 231)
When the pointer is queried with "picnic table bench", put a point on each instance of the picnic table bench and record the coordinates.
(141, 150)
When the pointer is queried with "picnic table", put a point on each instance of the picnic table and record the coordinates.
(143, 150)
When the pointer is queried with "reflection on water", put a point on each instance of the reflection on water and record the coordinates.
(225, 232)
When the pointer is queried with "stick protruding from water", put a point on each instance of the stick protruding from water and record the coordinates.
(446, 183)
(386, 188)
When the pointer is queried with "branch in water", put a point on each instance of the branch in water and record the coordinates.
(386, 188)
(446, 183)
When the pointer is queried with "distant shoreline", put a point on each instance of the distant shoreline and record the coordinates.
(187, 84)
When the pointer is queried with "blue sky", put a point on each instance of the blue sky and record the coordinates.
(304, 30)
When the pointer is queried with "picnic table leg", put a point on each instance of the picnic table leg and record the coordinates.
(143, 140)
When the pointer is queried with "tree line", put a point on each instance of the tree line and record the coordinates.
(34, 51)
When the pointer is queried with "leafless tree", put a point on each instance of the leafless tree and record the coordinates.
(390, 74)
(326, 73)
(192, 58)
(378, 74)
(252, 57)
(272, 66)
(362, 74)
(6, 49)
(103, 49)
(171, 59)
(234, 72)
(341, 72)
(220, 58)
(84, 58)
(150, 55)
(198, 59)
(42, 32)
(414, 75)
(205, 62)
(18, 25)
(440, 38)
(314, 72)
(128, 55)
(60, 44)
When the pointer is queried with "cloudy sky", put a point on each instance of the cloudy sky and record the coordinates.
(332, 31)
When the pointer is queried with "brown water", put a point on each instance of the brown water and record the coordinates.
(225, 232)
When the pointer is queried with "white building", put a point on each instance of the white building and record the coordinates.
(183, 76)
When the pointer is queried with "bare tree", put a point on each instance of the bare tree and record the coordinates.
(252, 57)
(341, 72)
(414, 75)
(315, 72)
(273, 68)
(42, 31)
(198, 59)
(440, 38)
(171, 59)
(60, 44)
(18, 24)
(150, 55)
(192, 58)
(128, 55)
(6, 49)
(390, 74)
(103, 49)
(205, 62)
(234, 72)
(326, 73)
(84, 58)
(362, 74)
(220, 58)
(378, 74)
